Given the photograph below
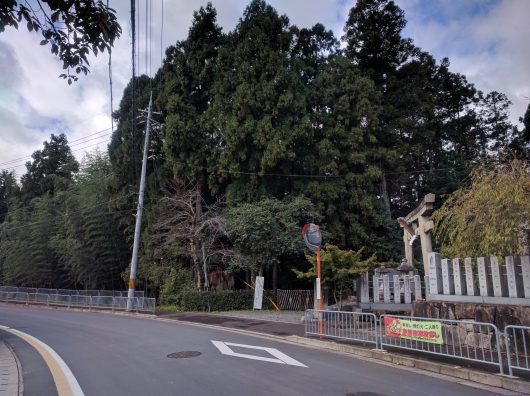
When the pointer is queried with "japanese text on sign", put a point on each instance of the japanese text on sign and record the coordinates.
(425, 331)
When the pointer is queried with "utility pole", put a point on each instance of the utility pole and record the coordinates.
(139, 210)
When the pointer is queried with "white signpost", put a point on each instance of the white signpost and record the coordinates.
(258, 292)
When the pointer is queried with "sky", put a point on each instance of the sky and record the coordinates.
(486, 40)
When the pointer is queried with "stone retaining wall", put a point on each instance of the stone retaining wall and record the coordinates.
(499, 315)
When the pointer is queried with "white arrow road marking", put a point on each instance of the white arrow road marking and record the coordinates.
(279, 357)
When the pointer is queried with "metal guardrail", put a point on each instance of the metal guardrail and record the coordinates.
(467, 340)
(474, 341)
(137, 304)
(72, 292)
(342, 325)
(517, 339)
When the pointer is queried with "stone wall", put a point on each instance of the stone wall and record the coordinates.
(499, 315)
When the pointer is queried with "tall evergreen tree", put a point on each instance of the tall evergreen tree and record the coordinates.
(9, 190)
(188, 75)
(52, 168)
(258, 103)
(373, 38)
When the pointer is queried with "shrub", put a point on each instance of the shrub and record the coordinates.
(226, 300)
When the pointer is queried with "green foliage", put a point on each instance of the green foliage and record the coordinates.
(266, 230)
(282, 126)
(72, 28)
(487, 217)
(227, 300)
(339, 268)
(66, 238)
(188, 75)
(9, 190)
(51, 170)
(373, 37)
(178, 284)
(88, 240)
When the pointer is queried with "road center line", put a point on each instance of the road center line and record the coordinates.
(64, 379)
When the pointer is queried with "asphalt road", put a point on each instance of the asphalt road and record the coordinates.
(120, 355)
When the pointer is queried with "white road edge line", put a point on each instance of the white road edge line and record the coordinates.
(75, 388)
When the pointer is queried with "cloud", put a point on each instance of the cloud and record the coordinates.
(485, 39)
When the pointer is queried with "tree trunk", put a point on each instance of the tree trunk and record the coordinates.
(384, 193)
(196, 265)
(247, 279)
(205, 267)
(198, 216)
(274, 277)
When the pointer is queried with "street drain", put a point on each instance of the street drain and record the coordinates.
(184, 354)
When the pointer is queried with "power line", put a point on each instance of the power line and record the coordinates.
(73, 141)
(88, 140)
(73, 151)
(29, 156)
(146, 33)
(161, 35)
(92, 134)
(306, 176)
(110, 81)
(150, 38)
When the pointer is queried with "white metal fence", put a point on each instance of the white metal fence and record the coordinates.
(474, 341)
(294, 300)
(458, 339)
(137, 304)
(342, 325)
(517, 339)
(71, 292)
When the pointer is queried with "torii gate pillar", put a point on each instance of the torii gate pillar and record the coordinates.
(417, 223)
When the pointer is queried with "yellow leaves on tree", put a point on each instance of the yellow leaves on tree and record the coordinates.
(491, 217)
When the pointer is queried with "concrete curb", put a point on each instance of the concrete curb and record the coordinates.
(494, 380)
(10, 375)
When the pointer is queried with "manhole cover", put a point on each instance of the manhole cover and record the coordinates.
(184, 354)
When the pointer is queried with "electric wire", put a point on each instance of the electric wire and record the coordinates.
(146, 38)
(110, 82)
(18, 165)
(150, 37)
(72, 141)
(15, 160)
(161, 36)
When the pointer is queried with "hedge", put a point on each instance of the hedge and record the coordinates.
(226, 300)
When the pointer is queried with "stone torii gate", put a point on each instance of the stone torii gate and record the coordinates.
(415, 224)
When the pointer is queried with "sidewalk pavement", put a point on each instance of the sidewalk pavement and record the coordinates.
(9, 376)
(267, 322)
